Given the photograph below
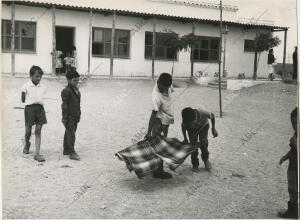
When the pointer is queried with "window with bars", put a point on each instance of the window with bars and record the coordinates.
(249, 46)
(25, 36)
(162, 52)
(207, 49)
(101, 42)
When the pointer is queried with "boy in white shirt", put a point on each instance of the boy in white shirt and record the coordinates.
(33, 93)
(162, 114)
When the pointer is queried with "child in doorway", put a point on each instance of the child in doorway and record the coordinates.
(68, 61)
(162, 114)
(292, 172)
(33, 93)
(71, 113)
(195, 122)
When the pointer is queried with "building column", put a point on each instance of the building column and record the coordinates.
(112, 45)
(53, 40)
(12, 45)
(90, 41)
(284, 51)
(153, 46)
(192, 51)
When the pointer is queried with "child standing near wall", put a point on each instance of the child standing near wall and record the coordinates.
(33, 93)
(68, 61)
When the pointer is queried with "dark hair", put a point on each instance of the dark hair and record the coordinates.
(188, 115)
(35, 68)
(294, 114)
(72, 74)
(271, 50)
(165, 79)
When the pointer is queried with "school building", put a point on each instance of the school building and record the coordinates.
(33, 30)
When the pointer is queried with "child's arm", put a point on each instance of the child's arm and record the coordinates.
(65, 106)
(151, 122)
(213, 129)
(183, 129)
(284, 158)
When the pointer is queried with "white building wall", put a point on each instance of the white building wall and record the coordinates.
(237, 61)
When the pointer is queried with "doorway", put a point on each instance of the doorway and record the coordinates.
(65, 45)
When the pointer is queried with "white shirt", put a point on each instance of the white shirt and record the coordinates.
(34, 93)
(162, 103)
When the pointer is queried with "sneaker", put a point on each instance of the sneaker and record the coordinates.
(196, 169)
(207, 165)
(26, 148)
(162, 175)
(74, 156)
(39, 158)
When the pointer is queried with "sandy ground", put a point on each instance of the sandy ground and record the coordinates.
(245, 182)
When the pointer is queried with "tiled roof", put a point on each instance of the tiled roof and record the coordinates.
(185, 10)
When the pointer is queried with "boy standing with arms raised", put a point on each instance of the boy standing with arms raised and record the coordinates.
(162, 114)
(71, 113)
(33, 93)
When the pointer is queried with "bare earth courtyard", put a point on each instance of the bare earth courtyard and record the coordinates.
(246, 180)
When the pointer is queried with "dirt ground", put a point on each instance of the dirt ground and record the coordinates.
(246, 180)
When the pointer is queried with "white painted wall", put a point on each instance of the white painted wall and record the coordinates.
(237, 61)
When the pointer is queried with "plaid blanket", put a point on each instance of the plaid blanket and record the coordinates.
(146, 155)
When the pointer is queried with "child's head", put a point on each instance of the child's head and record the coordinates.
(294, 117)
(188, 115)
(73, 78)
(271, 51)
(68, 54)
(164, 82)
(36, 74)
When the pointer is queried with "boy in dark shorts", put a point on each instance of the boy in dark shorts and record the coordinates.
(195, 122)
(32, 95)
(162, 114)
(71, 113)
(292, 172)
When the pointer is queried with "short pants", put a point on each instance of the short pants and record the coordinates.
(35, 115)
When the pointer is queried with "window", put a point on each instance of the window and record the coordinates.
(101, 44)
(25, 36)
(162, 52)
(207, 49)
(249, 46)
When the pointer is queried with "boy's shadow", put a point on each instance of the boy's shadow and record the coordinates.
(182, 177)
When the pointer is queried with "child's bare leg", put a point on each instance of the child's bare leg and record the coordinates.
(37, 156)
(27, 138)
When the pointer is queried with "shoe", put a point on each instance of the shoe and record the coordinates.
(196, 169)
(162, 175)
(66, 152)
(39, 158)
(26, 148)
(74, 156)
(291, 212)
(207, 165)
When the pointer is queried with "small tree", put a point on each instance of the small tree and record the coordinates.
(175, 43)
(263, 42)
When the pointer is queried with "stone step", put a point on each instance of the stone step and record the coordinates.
(217, 86)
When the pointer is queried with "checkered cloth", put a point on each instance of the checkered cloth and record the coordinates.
(146, 155)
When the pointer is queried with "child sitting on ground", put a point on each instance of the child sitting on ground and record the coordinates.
(195, 122)
(33, 93)
(162, 114)
(292, 172)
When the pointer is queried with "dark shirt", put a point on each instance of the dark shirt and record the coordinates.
(292, 154)
(70, 103)
(295, 61)
(271, 58)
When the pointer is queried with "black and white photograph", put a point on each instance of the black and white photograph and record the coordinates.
(149, 109)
